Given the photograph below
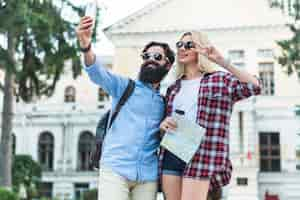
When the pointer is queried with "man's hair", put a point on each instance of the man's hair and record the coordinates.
(168, 51)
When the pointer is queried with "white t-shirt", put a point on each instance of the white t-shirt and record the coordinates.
(187, 98)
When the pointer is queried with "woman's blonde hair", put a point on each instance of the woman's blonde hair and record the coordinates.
(204, 64)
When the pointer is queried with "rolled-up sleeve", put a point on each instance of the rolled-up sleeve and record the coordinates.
(113, 84)
(241, 90)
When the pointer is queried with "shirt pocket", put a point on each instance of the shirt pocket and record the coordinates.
(215, 96)
(211, 95)
(156, 110)
(213, 103)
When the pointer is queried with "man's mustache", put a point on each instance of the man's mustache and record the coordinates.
(150, 62)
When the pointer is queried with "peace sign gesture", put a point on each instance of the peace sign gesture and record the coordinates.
(211, 53)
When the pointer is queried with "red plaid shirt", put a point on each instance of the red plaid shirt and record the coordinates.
(217, 94)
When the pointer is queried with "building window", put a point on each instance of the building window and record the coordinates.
(240, 65)
(46, 151)
(269, 148)
(298, 152)
(80, 188)
(298, 158)
(265, 53)
(102, 95)
(266, 74)
(236, 54)
(13, 144)
(242, 181)
(85, 146)
(70, 94)
(45, 189)
(241, 130)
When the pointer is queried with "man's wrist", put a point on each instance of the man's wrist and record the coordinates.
(89, 58)
(86, 49)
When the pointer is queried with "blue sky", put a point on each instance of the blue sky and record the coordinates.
(114, 11)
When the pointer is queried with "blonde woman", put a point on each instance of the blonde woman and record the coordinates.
(205, 96)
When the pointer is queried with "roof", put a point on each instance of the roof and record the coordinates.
(179, 15)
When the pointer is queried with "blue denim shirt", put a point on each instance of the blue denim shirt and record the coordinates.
(130, 145)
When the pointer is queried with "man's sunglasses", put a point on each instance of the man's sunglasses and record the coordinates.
(187, 45)
(153, 56)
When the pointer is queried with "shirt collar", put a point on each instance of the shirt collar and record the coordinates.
(205, 74)
(149, 85)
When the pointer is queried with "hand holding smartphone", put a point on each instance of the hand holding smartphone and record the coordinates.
(91, 10)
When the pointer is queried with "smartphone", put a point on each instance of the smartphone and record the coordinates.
(91, 10)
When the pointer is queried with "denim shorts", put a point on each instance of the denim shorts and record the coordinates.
(172, 165)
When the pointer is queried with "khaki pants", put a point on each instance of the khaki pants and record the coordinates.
(115, 187)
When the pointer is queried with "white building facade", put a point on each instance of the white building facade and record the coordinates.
(265, 130)
(59, 133)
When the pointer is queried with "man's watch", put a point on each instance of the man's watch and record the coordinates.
(84, 50)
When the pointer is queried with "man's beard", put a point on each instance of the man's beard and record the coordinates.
(152, 72)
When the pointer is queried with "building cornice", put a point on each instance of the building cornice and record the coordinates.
(204, 29)
(136, 15)
(120, 26)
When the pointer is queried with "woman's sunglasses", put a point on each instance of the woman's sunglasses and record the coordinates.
(187, 45)
(154, 56)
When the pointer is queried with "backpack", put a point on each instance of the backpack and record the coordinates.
(104, 124)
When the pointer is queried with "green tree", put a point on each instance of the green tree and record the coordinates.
(40, 37)
(7, 195)
(27, 172)
(290, 56)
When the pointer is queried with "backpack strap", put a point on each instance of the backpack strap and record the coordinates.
(127, 93)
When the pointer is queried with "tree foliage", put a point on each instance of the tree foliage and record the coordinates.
(44, 35)
(290, 56)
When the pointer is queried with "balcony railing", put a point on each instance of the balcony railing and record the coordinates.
(70, 108)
